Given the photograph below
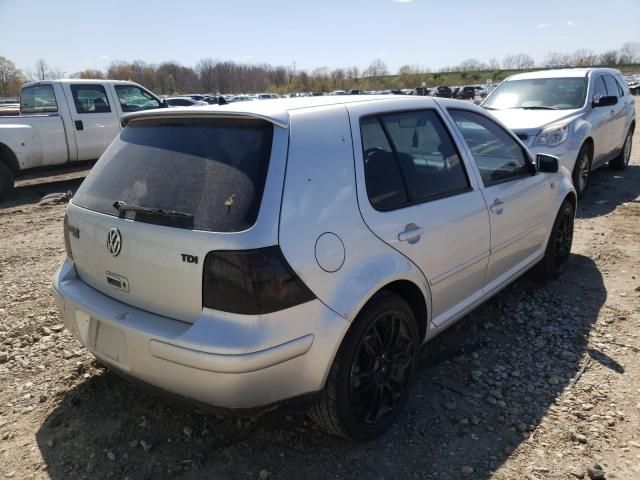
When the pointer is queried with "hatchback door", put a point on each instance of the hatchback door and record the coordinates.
(94, 118)
(416, 195)
(167, 192)
(519, 202)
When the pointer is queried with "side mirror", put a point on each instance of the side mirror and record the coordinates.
(547, 163)
(604, 101)
(164, 104)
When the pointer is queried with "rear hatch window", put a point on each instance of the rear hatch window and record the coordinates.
(207, 173)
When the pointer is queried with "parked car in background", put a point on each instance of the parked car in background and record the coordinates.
(466, 93)
(64, 121)
(309, 249)
(240, 98)
(584, 116)
(196, 96)
(443, 91)
(633, 82)
(184, 102)
(266, 96)
(338, 92)
(422, 91)
(355, 91)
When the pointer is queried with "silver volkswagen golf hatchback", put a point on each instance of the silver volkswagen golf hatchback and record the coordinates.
(251, 254)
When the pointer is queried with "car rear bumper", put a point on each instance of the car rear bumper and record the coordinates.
(225, 360)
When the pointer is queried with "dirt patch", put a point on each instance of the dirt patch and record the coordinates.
(543, 381)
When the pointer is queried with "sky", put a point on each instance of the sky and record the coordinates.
(73, 35)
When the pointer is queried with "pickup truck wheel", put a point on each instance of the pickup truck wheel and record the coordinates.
(558, 249)
(622, 161)
(6, 182)
(582, 169)
(373, 371)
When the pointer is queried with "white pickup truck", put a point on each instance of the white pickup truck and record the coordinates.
(65, 121)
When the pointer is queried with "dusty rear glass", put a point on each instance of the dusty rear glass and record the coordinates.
(212, 170)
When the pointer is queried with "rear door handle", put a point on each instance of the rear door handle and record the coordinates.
(411, 233)
(79, 125)
(497, 207)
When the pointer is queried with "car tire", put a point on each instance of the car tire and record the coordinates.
(582, 169)
(6, 182)
(384, 342)
(558, 251)
(622, 160)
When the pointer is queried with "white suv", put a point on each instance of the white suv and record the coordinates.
(248, 254)
(584, 116)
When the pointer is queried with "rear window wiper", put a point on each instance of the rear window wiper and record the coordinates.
(123, 208)
(539, 107)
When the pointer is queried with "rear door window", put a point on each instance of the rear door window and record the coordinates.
(409, 158)
(213, 171)
(90, 99)
(383, 179)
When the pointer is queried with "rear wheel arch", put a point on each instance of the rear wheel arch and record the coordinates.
(412, 294)
(9, 158)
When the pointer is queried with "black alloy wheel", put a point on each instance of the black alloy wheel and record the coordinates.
(558, 250)
(381, 369)
(373, 371)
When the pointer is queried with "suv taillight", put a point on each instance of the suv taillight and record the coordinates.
(67, 241)
(251, 282)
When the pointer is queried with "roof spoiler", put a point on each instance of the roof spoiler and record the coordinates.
(280, 119)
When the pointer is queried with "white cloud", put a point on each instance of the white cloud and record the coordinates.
(104, 57)
(570, 23)
(87, 61)
(543, 25)
(402, 1)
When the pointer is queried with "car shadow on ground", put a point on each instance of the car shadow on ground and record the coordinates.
(33, 193)
(608, 189)
(482, 388)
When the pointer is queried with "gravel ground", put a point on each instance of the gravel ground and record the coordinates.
(542, 381)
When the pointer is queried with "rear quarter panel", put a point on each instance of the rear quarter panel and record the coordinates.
(320, 196)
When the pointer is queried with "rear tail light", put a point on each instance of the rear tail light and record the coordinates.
(67, 241)
(251, 282)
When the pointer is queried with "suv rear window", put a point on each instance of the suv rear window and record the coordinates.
(213, 170)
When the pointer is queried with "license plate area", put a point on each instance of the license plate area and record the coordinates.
(109, 343)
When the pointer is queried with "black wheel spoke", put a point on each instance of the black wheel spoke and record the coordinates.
(370, 345)
(392, 334)
(373, 411)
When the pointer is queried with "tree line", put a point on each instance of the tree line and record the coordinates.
(211, 76)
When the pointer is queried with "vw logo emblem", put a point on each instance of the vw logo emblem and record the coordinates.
(114, 242)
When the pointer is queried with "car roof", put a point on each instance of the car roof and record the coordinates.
(277, 110)
(83, 81)
(560, 73)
